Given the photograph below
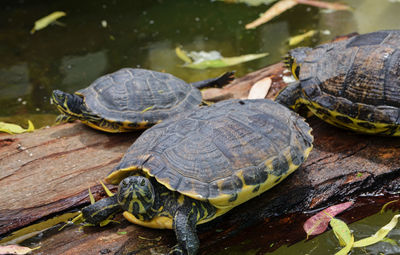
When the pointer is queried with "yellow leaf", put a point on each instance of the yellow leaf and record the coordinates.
(386, 205)
(224, 62)
(294, 40)
(45, 21)
(341, 231)
(272, 12)
(347, 248)
(379, 235)
(260, 89)
(182, 55)
(15, 129)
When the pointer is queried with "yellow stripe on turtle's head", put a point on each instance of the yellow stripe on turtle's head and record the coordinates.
(69, 104)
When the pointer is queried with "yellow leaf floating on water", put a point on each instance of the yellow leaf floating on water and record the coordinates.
(341, 231)
(343, 234)
(379, 235)
(387, 204)
(294, 40)
(183, 55)
(15, 129)
(213, 59)
(16, 249)
(45, 21)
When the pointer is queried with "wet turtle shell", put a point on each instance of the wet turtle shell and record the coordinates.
(352, 84)
(224, 154)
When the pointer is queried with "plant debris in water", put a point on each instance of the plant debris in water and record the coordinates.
(317, 224)
(45, 21)
(284, 5)
(212, 59)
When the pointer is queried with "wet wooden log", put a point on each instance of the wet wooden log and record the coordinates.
(49, 171)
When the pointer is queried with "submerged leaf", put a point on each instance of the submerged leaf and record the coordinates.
(272, 12)
(386, 205)
(379, 235)
(16, 249)
(183, 55)
(15, 129)
(318, 223)
(294, 40)
(260, 89)
(347, 248)
(45, 21)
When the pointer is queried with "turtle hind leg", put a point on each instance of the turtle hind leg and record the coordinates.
(218, 82)
(290, 96)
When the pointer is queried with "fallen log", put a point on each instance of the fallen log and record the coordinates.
(48, 172)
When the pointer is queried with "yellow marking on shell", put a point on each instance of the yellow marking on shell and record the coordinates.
(379, 127)
(160, 222)
(117, 176)
(222, 202)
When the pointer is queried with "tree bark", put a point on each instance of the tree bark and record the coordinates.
(49, 171)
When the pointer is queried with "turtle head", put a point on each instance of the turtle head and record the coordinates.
(136, 195)
(295, 58)
(69, 104)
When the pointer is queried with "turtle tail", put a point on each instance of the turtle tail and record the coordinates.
(218, 82)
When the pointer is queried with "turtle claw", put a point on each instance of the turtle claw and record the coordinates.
(176, 250)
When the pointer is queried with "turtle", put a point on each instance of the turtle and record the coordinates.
(132, 99)
(352, 84)
(192, 169)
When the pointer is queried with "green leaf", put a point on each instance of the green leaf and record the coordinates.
(341, 231)
(216, 61)
(122, 233)
(45, 21)
(347, 248)
(294, 40)
(183, 55)
(379, 235)
(15, 129)
(386, 205)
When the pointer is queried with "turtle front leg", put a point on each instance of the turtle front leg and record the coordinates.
(184, 224)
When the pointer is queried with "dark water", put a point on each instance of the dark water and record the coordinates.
(138, 34)
(99, 37)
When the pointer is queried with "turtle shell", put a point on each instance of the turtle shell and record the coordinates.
(137, 95)
(226, 153)
(355, 82)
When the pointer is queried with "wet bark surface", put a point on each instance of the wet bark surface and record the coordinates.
(49, 171)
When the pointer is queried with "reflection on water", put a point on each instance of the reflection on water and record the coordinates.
(101, 37)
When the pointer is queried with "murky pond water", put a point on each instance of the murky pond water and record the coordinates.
(99, 37)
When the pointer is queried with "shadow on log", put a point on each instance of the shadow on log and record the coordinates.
(49, 171)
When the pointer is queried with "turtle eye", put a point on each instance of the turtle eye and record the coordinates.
(297, 72)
